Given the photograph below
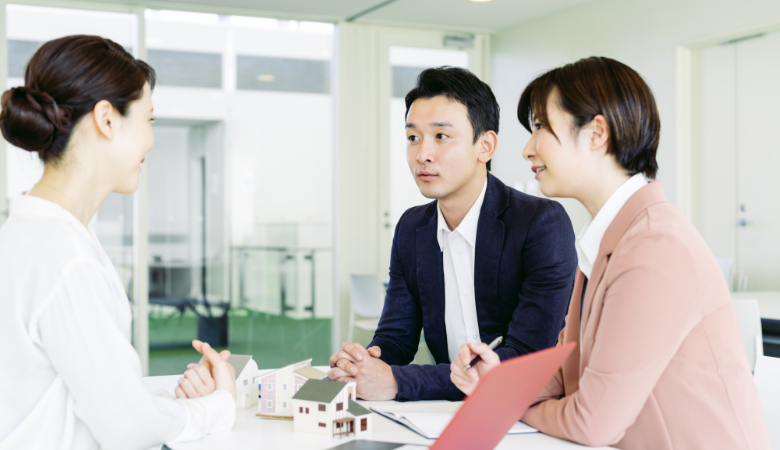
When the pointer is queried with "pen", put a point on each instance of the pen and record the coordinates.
(492, 346)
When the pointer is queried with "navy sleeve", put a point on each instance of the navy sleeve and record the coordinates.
(549, 261)
(398, 332)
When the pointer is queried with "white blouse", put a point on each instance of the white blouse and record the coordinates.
(69, 377)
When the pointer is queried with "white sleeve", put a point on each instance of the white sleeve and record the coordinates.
(102, 370)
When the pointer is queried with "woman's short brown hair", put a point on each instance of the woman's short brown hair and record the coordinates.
(64, 81)
(601, 86)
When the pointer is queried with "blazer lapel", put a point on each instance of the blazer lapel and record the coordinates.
(649, 195)
(430, 282)
(487, 257)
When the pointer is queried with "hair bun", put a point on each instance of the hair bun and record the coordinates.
(30, 118)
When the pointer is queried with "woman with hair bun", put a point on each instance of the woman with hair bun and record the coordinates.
(660, 362)
(71, 378)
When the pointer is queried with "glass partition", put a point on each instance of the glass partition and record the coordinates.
(240, 188)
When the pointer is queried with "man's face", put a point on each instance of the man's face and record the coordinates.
(440, 150)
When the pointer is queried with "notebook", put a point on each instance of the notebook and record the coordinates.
(431, 425)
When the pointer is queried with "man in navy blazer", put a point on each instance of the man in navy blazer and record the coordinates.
(481, 261)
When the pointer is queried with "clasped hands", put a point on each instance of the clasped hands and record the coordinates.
(213, 372)
(373, 377)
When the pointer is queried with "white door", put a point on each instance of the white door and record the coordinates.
(758, 161)
(736, 188)
(403, 55)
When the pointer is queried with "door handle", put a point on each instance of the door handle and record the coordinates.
(740, 223)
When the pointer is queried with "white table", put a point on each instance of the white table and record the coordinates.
(252, 432)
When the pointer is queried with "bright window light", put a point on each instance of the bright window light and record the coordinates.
(181, 16)
(317, 27)
(253, 22)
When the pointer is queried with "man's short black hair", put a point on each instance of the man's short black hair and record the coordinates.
(461, 86)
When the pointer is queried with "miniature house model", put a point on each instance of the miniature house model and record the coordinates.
(329, 408)
(278, 387)
(246, 370)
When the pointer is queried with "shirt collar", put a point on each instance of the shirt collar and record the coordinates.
(589, 239)
(468, 226)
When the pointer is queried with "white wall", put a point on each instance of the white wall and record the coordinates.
(641, 34)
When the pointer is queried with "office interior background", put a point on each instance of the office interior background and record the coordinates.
(279, 167)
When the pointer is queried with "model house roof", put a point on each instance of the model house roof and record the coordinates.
(310, 373)
(321, 391)
(355, 409)
(239, 362)
(305, 362)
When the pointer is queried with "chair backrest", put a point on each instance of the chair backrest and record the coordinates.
(767, 377)
(727, 268)
(750, 326)
(368, 293)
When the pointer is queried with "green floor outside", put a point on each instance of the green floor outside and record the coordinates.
(273, 341)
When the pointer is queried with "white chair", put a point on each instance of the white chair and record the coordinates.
(750, 325)
(367, 298)
(767, 379)
(727, 267)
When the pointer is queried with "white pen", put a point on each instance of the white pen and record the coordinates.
(492, 346)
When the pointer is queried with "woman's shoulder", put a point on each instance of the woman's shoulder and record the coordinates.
(40, 243)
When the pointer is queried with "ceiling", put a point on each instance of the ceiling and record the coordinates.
(457, 15)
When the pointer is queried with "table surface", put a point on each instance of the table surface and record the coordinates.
(254, 432)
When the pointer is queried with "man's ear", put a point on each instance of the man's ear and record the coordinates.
(599, 133)
(488, 143)
(105, 119)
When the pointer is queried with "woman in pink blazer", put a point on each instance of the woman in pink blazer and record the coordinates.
(660, 362)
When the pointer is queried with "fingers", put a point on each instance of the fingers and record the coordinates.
(356, 351)
(188, 386)
(467, 387)
(336, 373)
(488, 356)
(347, 366)
(180, 393)
(222, 372)
(204, 373)
(375, 351)
(341, 354)
(456, 371)
(224, 354)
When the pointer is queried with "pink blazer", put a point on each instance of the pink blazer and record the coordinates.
(661, 364)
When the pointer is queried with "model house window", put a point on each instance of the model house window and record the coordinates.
(322, 425)
(323, 408)
(339, 406)
(270, 386)
(284, 404)
(246, 382)
(269, 404)
(338, 425)
(284, 386)
(307, 410)
(300, 409)
(363, 424)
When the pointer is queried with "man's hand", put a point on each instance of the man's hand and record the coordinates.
(374, 377)
(343, 362)
(213, 372)
(467, 381)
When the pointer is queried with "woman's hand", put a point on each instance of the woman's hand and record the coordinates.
(213, 372)
(467, 381)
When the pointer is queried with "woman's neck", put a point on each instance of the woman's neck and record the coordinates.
(79, 193)
(596, 193)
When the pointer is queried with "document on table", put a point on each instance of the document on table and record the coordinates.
(431, 425)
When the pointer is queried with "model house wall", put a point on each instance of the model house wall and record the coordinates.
(277, 388)
(322, 417)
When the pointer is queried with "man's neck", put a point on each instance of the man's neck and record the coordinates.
(455, 206)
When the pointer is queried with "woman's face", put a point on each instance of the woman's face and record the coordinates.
(134, 139)
(557, 162)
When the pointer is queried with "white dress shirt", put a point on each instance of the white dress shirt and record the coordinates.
(70, 378)
(458, 248)
(589, 239)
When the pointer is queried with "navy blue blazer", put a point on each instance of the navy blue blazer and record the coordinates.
(524, 269)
